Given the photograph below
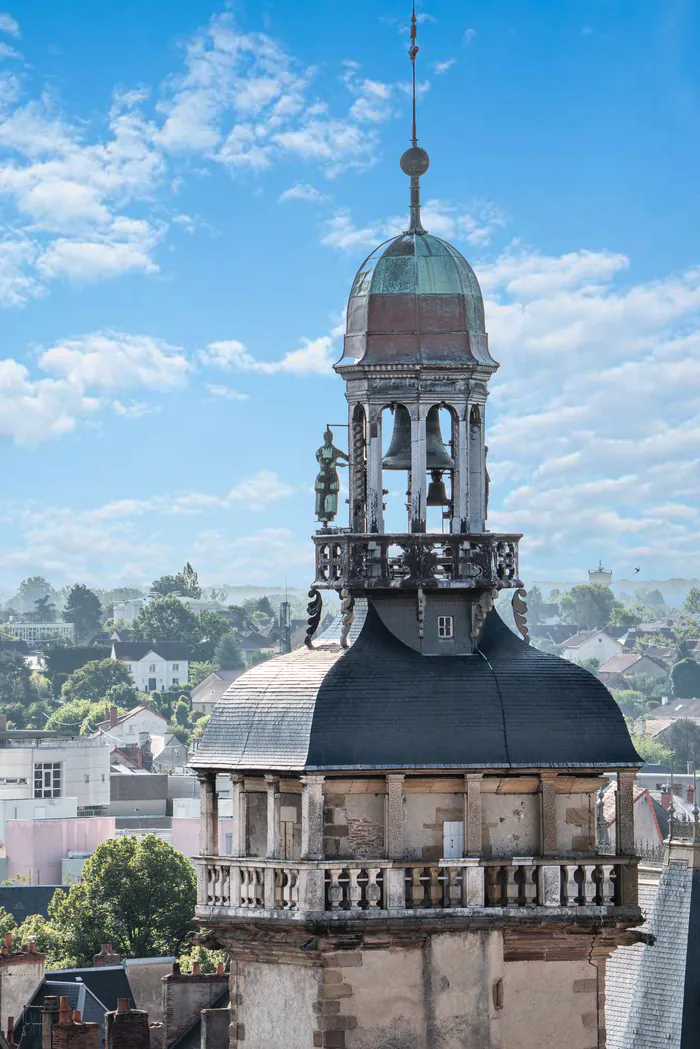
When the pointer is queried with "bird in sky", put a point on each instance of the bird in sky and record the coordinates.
(636, 570)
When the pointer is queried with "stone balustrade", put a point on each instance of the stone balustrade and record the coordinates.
(228, 885)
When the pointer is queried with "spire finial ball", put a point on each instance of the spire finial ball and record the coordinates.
(415, 161)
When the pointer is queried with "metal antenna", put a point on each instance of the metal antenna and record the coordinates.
(412, 52)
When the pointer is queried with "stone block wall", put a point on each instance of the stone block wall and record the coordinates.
(353, 825)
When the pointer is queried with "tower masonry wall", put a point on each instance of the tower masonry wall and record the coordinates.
(424, 819)
(354, 825)
(549, 1004)
(510, 825)
(576, 815)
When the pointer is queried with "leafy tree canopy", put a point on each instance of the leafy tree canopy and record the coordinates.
(198, 671)
(44, 611)
(166, 619)
(229, 654)
(15, 679)
(651, 750)
(82, 715)
(621, 616)
(691, 605)
(93, 681)
(587, 605)
(84, 609)
(184, 583)
(182, 712)
(210, 629)
(630, 702)
(685, 680)
(683, 739)
(137, 893)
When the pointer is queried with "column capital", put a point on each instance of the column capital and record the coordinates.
(395, 777)
(271, 779)
(473, 776)
(238, 777)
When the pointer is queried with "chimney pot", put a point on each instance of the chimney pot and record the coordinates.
(123, 1005)
(8, 940)
(32, 947)
(77, 1018)
(666, 798)
(64, 1011)
(220, 969)
(196, 968)
(10, 1029)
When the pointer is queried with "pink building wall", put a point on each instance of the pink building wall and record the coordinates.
(186, 835)
(36, 847)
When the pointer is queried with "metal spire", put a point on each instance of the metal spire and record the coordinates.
(415, 161)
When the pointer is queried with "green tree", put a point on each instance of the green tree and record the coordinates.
(229, 654)
(166, 619)
(83, 608)
(591, 665)
(94, 680)
(210, 627)
(198, 671)
(683, 739)
(38, 714)
(535, 605)
(182, 712)
(631, 703)
(587, 605)
(81, 715)
(259, 657)
(685, 679)
(30, 590)
(7, 923)
(200, 726)
(15, 679)
(137, 893)
(44, 611)
(125, 696)
(184, 583)
(208, 960)
(651, 750)
(621, 616)
(691, 605)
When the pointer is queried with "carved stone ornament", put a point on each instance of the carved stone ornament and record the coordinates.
(482, 607)
(420, 612)
(347, 605)
(313, 610)
(520, 614)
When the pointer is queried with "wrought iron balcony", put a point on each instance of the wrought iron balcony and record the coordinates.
(427, 560)
(229, 887)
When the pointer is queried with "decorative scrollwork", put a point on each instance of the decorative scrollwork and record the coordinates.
(347, 605)
(520, 614)
(313, 610)
(482, 607)
(420, 612)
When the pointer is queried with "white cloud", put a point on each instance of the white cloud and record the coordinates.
(475, 225)
(443, 67)
(302, 191)
(226, 392)
(8, 24)
(74, 374)
(314, 357)
(469, 35)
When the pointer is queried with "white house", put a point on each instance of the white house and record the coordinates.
(208, 692)
(625, 663)
(591, 644)
(128, 610)
(46, 769)
(131, 727)
(154, 665)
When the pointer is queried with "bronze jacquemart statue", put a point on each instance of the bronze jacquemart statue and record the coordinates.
(327, 482)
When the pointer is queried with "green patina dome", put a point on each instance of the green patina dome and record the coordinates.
(415, 298)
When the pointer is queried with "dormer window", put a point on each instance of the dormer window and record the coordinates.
(446, 627)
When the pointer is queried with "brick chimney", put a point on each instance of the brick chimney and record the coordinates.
(690, 793)
(113, 716)
(69, 1031)
(184, 997)
(666, 797)
(20, 975)
(106, 957)
(127, 1028)
(677, 789)
(11, 1033)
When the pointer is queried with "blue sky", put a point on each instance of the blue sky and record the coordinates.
(187, 191)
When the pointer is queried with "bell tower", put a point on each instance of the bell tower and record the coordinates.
(416, 365)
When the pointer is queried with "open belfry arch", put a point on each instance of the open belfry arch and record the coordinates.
(412, 856)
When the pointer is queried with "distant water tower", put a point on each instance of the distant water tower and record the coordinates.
(600, 575)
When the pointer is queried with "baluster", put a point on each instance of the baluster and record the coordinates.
(354, 888)
(260, 887)
(572, 887)
(529, 885)
(454, 888)
(211, 876)
(244, 887)
(226, 885)
(512, 887)
(335, 891)
(280, 887)
(607, 885)
(589, 889)
(417, 887)
(293, 888)
(493, 886)
(373, 892)
(235, 886)
(436, 888)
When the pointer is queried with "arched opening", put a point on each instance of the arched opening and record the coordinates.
(396, 467)
(440, 438)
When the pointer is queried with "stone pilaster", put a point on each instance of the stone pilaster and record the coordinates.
(394, 822)
(312, 817)
(208, 815)
(472, 815)
(238, 797)
(548, 813)
(624, 813)
(273, 817)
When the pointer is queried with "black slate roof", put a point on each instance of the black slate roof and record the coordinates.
(380, 704)
(22, 900)
(136, 650)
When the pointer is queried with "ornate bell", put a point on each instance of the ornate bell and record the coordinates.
(437, 493)
(398, 456)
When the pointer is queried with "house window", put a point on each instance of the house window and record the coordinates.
(128, 667)
(446, 627)
(47, 780)
(176, 681)
(151, 668)
(176, 666)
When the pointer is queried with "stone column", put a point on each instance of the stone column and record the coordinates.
(472, 814)
(460, 509)
(624, 834)
(238, 799)
(375, 497)
(312, 888)
(208, 815)
(417, 512)
(476, 468)
(273, 817)
(395, 876)
(548, 813)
